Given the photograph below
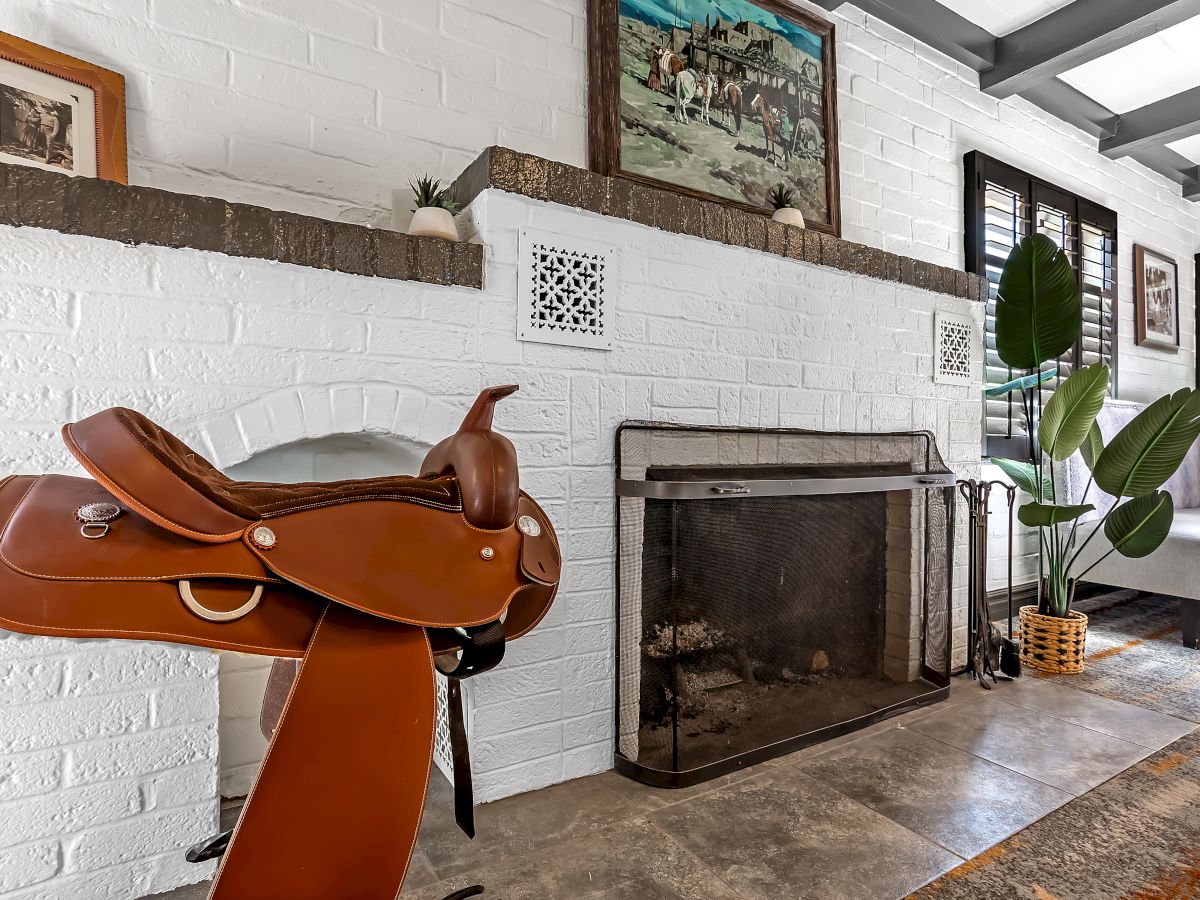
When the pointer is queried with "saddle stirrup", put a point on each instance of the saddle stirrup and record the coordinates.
(213, 848)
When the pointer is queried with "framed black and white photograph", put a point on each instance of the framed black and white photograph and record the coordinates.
(1157, 301)
(46, 121)
(60, 113)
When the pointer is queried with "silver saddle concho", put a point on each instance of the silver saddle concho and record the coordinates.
(95, 518)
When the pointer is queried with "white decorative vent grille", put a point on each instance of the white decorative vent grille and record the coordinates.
(565, 291)
(954, 355)
(443, 754)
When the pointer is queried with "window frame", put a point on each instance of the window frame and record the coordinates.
(980, 169)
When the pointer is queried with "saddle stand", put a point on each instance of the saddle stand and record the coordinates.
(364, 582)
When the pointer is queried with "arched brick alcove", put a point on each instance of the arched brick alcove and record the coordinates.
(299, 433)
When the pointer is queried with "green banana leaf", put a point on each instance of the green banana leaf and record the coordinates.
(1025, 476)
(1150, 448)
(1138, 527)
(1071, 411)
(1046, 514)
(1021, 384)
(1092, 447)
(1038, 310)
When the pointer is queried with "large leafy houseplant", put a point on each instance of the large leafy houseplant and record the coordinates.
(1039, 317)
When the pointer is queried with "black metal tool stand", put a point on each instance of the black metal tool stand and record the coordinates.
(977, 495)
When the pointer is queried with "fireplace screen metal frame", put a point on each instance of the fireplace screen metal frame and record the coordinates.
(668, 462)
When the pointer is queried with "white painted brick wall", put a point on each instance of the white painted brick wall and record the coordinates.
(757, 340)
(108, 764)
(326, 106)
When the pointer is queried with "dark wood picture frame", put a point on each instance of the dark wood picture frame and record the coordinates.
(604, 105)
(1144, 339)
(108, 86)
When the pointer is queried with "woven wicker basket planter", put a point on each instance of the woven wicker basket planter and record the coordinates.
(1051, 644)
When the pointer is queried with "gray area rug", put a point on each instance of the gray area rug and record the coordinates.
(1137, 836)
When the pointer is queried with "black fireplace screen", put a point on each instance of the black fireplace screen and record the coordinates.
(777, 588)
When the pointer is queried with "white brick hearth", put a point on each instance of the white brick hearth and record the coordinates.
(242, 356)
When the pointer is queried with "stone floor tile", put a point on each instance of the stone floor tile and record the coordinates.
(1112, 717)
(644, 798)
(1054, 751)
(187, 892)
(785, 834)
(962, 802)
(630, 860)
(517, 825)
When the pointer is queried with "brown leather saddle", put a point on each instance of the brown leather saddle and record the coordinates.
(364, 582)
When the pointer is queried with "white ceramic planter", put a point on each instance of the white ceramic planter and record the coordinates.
(433, 221)
(789, 216)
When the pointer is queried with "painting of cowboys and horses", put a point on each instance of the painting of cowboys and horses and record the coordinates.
(728, 99)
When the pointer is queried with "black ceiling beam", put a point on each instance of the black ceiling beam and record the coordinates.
(1075, 34)
(1167, 162)
(1072, 106)
(1154, 124)
(934, 24)
(1027, 60)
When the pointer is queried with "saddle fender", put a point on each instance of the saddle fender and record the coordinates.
(363, 582)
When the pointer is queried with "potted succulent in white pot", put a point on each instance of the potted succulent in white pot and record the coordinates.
(433, 214)
(783, 199)
(1039, 317)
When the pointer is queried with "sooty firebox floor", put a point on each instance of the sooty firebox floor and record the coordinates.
(875, 814)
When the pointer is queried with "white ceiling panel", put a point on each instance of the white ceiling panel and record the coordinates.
(1142, 72)
(1188, 148)
(1001, 17)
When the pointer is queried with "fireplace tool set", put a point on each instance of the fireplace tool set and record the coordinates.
(987, 649)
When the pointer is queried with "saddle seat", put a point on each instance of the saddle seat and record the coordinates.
(163, 479)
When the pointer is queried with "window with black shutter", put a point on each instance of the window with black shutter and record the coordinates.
(1003, 205)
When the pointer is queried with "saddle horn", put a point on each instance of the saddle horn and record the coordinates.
(483, 462)
(479, 416)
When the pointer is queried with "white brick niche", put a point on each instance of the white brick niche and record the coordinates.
(108, 760)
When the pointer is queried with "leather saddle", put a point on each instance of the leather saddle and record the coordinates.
(364, 583)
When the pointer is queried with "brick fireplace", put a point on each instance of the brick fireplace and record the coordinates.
(776, 587)
(242, 355)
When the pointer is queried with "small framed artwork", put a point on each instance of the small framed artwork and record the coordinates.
(722, 101)
(1157, 301)
(60, 113)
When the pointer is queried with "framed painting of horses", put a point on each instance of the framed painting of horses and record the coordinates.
(718, 99)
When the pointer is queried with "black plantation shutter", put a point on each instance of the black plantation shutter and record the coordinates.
(1003, 205)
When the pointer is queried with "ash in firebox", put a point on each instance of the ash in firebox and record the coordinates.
(729, 701)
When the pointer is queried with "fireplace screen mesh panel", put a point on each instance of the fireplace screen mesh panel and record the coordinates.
(776, 588)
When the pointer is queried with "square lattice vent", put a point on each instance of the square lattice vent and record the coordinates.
(566, 291)
(954, 353)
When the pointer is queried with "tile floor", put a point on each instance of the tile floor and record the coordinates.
(874, 814)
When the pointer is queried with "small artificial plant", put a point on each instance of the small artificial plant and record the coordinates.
(428, 192)
(1039, 317)
(783, 197)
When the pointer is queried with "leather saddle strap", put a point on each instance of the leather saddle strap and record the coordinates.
(337, 804)
(482, 648)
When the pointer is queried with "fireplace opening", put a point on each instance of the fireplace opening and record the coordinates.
(777, 588)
